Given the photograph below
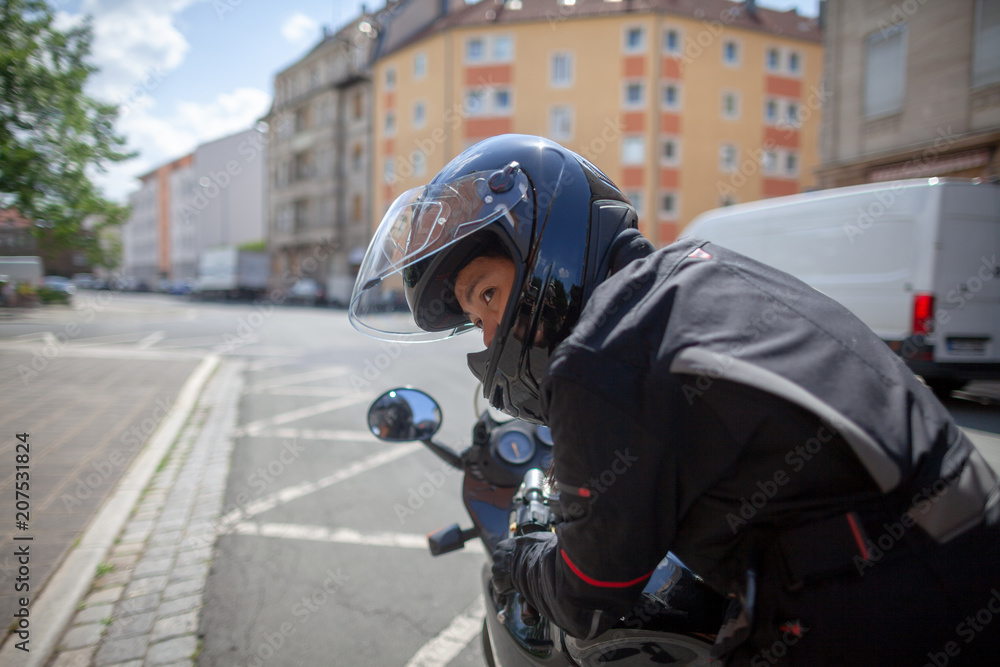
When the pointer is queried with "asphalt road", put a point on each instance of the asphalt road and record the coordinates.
(326, 562)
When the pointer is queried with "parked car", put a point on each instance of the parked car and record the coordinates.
(305, 291)
(83, 280)
(59, 284)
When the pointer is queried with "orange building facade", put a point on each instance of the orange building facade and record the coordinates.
(685, 109)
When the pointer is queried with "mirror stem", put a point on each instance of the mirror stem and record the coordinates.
(446, 453)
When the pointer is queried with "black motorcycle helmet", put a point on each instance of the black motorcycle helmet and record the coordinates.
(548, 209)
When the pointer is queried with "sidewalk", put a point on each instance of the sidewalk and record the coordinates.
(143, 606)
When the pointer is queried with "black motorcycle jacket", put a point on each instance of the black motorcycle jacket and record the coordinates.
(704, 404)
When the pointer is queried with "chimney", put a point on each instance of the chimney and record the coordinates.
(751, 8)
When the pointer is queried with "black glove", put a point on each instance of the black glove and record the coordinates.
(503, 564)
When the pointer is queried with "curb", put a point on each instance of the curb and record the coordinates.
(62, 594)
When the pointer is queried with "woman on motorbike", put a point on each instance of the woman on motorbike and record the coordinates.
(702, 403)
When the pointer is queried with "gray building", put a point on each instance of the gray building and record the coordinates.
(914, 90)
(319, 162)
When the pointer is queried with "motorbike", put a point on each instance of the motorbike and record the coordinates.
(506, 493)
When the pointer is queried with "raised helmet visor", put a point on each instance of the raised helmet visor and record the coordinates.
(423, 223)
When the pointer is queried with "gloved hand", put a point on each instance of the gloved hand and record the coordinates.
(503, 563)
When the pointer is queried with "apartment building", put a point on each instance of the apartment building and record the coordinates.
(146, 236)
(319, 162)
(914, 91)
(685, 105)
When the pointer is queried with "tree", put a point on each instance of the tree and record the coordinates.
(52, 134)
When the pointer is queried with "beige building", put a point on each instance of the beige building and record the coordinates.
(685, 105)
(914, 90)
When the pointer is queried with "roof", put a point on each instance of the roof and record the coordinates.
(11, 218)
(727, 13)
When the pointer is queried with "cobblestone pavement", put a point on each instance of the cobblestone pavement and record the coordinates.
(145, 601)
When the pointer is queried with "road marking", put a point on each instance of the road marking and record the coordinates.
(312, 434)
(292, 531)
(151, 340)
(297, 378)
(111, 339)
(294, 415)
(303, 391)
(441, 650)
(291, 493)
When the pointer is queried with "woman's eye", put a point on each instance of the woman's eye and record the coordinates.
(488, 294)
(478, 324)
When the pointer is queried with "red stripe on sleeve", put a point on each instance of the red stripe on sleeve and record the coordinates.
(602, 584)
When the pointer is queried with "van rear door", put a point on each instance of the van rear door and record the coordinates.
(967, 277)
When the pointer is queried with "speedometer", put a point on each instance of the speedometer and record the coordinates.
(515, 447)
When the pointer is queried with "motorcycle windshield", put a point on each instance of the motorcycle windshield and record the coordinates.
(420, 223)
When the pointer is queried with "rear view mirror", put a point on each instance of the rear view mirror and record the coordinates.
(404, 415)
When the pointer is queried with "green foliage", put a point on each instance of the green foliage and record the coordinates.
(254, 246)
(51, 132)
(49, 295)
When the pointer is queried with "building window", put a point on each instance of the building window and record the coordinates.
(474, 102)
(420, 65)
(773, 60)
(474, 50)
(501, 101)
(670, 152)
(390, 78)
(390, 123)
(791, 164)
(769, 160)
(671, 96)
(419, 115)
(771, 112)
(389, 170)
(502, 49)
(672, 41)
(635, 197)
(419, 160)
(356, 208)
(792, 114)
(730, 105)
(728, 156)
(356, 158)
(358, 106)
(986, 43)
(634, 94)
(794, 63)
(731, 52)
(635, 39)
(668, 206)
(302, 119)
(561, 70)
(885, 71)
(561, 123)
(633, 151)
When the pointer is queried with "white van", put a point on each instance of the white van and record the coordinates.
(916, 260)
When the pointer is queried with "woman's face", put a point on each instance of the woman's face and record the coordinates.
(482, 289)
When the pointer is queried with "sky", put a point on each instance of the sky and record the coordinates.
(185, 72)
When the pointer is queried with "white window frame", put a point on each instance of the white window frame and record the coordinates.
(503, 58)
(494, 107)
(678, 103)
(419, 65)
(481, 58)
(790, 172)
(390, 78)
(776, 67)
(797, 72)
(770, 162)
(555, 132)
(671, 215)
(633, 143)
(419, 161)
(626, 85)
(554, 82)
(636, 199)
(735, 115)
(724, 165)
(738, 46)
(679, 48)
(626, 30)
(774, 102)
(389, 126)
(674, 161)
(897, 61)
(419, 114)
(474, 111)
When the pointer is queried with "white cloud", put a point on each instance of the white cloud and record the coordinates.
(166, 136)
(299, 27)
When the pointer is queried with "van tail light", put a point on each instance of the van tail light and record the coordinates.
(923, 314)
